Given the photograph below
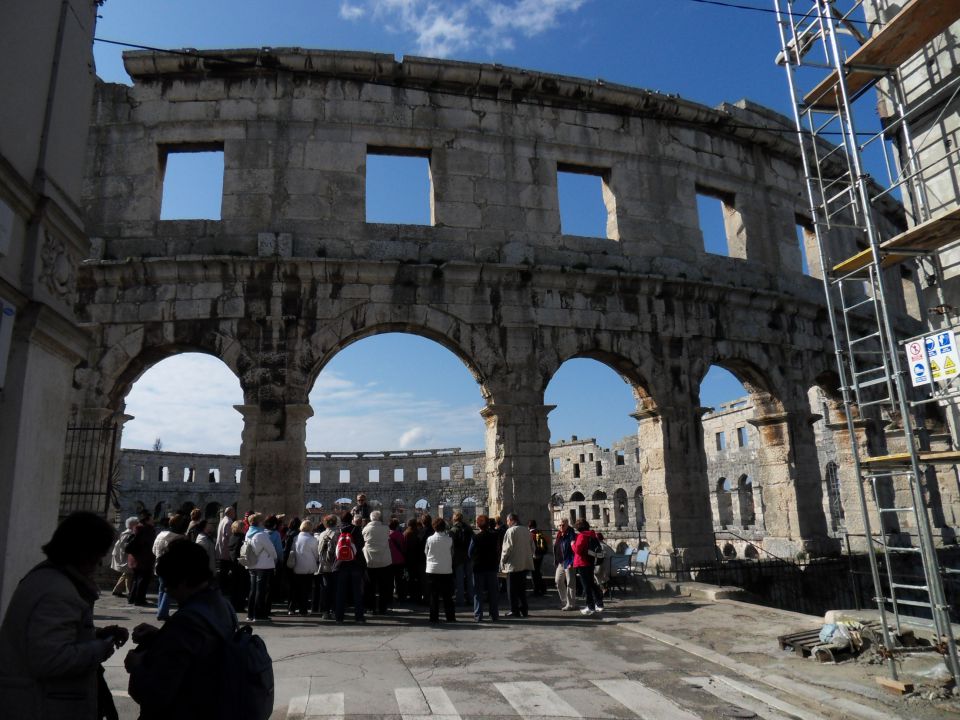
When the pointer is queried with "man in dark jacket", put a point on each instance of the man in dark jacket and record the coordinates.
(174, 671)
(462, 534)
(350, 572)
(140, 559)
(485, 553)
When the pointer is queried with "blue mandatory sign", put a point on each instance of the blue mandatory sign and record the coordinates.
(919, 370)
(943, 340)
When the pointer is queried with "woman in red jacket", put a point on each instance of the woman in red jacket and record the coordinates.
(583, 562)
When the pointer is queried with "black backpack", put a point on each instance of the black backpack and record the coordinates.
(247, 669)
(595, 549)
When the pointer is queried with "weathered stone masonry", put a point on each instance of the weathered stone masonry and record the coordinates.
(292, 273)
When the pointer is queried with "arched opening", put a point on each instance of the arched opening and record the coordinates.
(641, 518)
(385, 390)
(593, 434)
(211, 510)
(724, 502)
(748, 512)
(468, 506)
(620, 508)
(831, 481)
(184, 404)
(733, 395)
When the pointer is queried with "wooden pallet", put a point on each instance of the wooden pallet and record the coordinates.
(802, 643)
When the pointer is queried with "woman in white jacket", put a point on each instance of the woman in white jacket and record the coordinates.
(439, 553)
(261, 562)
(306, 554)
(325, 581)
(376, 551)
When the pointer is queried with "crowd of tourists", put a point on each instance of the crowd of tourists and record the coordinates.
(51, 654)
(359, 561)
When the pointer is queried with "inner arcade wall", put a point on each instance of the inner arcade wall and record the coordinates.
(291, 272)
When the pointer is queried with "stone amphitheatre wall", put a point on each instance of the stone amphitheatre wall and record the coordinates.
(292, 273)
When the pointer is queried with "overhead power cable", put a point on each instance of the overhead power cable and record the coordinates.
(754, 8)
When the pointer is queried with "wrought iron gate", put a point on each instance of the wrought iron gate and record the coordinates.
(89, 469)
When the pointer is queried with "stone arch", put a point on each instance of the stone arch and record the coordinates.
(598, 495)
(118, 369)
(577, 496)
(211, 509)
(431, 324)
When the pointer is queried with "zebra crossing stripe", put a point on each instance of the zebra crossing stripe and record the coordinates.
(419, 703)
(329, 706)
(728, 694)
(767, 699)
(643, 701)
(534, 700)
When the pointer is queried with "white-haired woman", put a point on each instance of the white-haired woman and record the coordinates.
(306, 552)
(118, 558)
(376, 551)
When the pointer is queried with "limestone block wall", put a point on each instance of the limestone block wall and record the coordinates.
(291, 272)
(164, 482)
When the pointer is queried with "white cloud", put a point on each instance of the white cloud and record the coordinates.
(351, 12)
(415, 437)
(188, 400)
(441, 29)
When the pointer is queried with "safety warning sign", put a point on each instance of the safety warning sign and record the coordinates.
(942, 356)
(917, 364)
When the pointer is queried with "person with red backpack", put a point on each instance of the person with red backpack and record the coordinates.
(350, 567)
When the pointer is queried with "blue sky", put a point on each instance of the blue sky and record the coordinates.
(398, 391)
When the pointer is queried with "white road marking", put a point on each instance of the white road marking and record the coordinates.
(534, 699)
(724, 692)
(767, 699)
(418, 703)
(329, 706)
(643, 701)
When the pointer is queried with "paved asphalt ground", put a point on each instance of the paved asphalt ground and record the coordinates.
(656, 658)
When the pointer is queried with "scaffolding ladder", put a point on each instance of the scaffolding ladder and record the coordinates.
(831, 60)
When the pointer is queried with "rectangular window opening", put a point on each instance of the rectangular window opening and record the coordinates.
(468, 472)
(399, 186)
(807, 241)
(599, 468)
(398, 474)
(213, 475)
(164, 474)
(587, 205)
(373, 475)
(188, 474)
(576, 470)
(344, 476)
(721, 441)
(142, 473)
(237, 474)
(192, 177)
(743, 440)
(445, 472)
(421, 474)
(713, 211)
(556, 465)
(619, 457)
(314, 476)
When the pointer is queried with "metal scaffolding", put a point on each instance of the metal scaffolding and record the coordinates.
(832, 59)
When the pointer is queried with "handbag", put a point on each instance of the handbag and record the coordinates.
(292, 559)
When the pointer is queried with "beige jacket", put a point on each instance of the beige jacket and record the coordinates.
(49, 653)
(517, 554)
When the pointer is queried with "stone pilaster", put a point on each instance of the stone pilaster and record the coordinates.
(676, 501)
(863, 440)
(273, 454)
(791, 499)
(518, 460)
